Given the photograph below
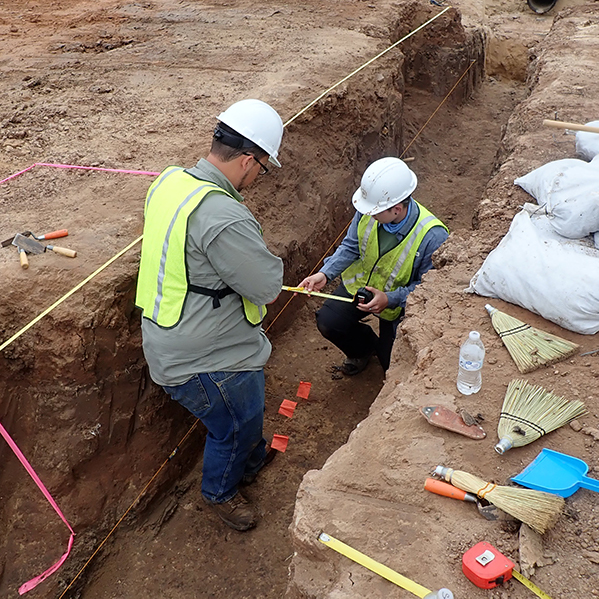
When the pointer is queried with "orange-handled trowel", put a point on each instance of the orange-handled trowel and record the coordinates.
(26, 246)
(487, 510)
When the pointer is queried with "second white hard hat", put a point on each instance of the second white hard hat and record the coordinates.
(257, 121)
(385, 183)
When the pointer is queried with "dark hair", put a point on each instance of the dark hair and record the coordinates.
(227, 144)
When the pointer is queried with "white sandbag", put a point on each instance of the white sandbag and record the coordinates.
(569, 191)
(587, 144)
(538, 182)
(537, 269)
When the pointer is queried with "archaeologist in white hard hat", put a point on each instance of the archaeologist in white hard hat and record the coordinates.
(387, 249)
(205, 277)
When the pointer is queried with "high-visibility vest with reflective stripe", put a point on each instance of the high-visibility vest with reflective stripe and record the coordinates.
(394, 268)
(163, 280)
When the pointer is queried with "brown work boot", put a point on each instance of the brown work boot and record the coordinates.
(236, 513)
(353, 366)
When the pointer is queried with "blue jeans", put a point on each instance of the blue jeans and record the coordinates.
(231, 406)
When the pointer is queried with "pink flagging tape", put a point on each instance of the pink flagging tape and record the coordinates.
(17, 174)
(31, 584)
(86, 168)
(98, 168)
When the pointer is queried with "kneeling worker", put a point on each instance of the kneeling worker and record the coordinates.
(204, 277)
(387, 249)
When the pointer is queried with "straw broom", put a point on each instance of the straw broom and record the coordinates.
(529, 347)
(529, 412)
(537, 509)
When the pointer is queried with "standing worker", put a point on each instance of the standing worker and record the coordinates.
(204, 279)
(387, 249)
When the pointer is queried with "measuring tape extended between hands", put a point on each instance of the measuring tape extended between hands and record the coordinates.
(382, 570)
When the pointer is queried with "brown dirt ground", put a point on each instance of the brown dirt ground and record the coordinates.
(67, 100)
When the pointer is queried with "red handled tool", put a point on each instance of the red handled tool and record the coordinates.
(51, 235)
(487, 510)
(440, 488)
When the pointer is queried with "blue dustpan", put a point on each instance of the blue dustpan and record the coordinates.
(556, 473)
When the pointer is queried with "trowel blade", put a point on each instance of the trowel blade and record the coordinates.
(31, 246)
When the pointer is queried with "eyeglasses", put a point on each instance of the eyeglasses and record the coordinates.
(263, 169)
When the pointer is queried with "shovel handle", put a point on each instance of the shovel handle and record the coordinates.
(447, 490)
(571, 126)
(23, 258)
(63, 251)
(53, 234)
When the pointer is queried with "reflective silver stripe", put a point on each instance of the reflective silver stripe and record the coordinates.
(165, 248)
(406, 251)
(367, 231)
(351, 281)
(365, 238)
(175, 170)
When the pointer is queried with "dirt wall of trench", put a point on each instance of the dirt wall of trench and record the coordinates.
(74, 392)
(370, 493)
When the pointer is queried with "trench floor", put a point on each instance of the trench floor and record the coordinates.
(181, 549)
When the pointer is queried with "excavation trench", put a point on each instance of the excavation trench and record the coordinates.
(77, 396)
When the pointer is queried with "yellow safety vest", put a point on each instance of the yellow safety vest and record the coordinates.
(163, 282)
(394, 268)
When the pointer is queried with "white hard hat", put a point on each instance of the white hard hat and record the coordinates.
(258, 122)
(385, 183)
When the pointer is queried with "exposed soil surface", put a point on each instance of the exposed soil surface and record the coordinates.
(137, 85)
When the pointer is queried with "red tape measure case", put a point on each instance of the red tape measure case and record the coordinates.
(485, 566)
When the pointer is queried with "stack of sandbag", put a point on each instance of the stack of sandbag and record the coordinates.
(538, 269)
(568, 192)
(548, 262)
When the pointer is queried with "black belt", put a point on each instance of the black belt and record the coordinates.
(215, 294)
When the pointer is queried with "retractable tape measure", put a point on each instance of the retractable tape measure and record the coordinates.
(487, 568)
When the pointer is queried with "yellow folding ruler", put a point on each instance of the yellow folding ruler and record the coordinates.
(384, 571)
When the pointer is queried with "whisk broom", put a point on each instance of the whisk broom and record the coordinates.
(529, 347)
(537, 509)
(529, 412)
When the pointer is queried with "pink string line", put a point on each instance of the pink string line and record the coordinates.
(86, 168)
(31, 584)
(35, 581)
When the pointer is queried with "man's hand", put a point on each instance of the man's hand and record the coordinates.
(314, 282)
(377, 304)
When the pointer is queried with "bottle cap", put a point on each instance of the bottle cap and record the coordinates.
(504, 444)
(474, 335)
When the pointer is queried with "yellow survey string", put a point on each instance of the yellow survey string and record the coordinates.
(68, 294)
(136, 241)
(374, 566)
(90, 277)
(403, 39)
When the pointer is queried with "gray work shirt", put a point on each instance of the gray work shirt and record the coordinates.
(224, 247)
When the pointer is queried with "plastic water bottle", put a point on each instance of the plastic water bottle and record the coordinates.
(472, 355)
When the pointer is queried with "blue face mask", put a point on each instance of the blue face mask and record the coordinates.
(394, 228)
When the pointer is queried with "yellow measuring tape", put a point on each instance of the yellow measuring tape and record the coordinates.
(381, 570)
(529, 585)
(318, 293)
